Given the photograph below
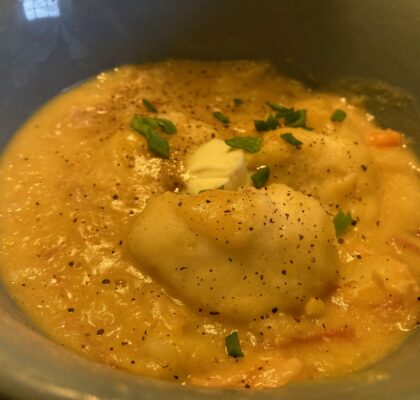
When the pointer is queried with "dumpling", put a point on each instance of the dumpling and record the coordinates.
(238, 254)
(334, 169)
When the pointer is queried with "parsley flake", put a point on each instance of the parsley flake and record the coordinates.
(233, 347)
(222, 118)
(338, 116)
(237, 101)
(341, 222)
(260, 177)
(250, 144)
(149, 106)
(289, 138)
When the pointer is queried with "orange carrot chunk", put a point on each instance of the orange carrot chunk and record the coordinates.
(385, 138)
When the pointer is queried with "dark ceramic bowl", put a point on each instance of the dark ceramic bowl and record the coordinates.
(48, 45)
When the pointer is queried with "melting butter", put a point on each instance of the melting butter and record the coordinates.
(215, 165)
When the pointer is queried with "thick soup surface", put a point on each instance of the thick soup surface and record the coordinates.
(251, 263)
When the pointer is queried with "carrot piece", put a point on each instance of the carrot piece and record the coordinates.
(385, 138)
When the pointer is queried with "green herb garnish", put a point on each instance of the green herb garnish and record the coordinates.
(292, 117)
(261, 126)
(341, 222)
(270, 124)
(260, 177)
(296, 119)
(157, 144)
(250, 144)
(289, 138)
(142, 124)
(166, 125)
(233, 347)
(237, 101)
(149, 106)
(277, 107)
(222, 118)
(338, 116)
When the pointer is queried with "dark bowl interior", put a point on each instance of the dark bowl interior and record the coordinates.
(48, 45)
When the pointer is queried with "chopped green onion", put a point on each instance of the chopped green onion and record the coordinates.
(277, 107)
(289, 138)
(157, 144)
(286, 113)
(341, 222)
(272, 122)
(142, 124)
(237, 101)
(149, 106)
(338, 116)
(260, 177)
(233, 347)
(296, 119)
(250, 144)
(166, 125)
(261, 126)
(222, 118)
(292, 117)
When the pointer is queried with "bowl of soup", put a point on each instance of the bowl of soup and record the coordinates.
(209, 200)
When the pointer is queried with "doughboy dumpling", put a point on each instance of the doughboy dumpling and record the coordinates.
(238, 254)
(334, 169)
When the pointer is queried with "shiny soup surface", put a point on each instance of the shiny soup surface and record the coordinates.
(214, 224)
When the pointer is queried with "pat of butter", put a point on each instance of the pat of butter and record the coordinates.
(215, 165)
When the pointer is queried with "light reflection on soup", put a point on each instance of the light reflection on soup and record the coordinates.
(76, 179)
